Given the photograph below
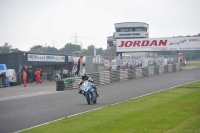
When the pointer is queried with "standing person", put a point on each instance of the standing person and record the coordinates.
(78, 65)
(181, 60)
(37, 75)
(3, 76)
(24, 78)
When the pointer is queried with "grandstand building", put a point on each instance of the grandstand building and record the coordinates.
(126, 30)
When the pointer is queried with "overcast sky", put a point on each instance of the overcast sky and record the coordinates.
(25, 23)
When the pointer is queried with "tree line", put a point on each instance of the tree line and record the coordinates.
(70, 48)
(67, 49)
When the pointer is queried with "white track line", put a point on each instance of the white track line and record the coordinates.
(104, 106)
(27, 95)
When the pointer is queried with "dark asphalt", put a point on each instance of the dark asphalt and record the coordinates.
(23, 112)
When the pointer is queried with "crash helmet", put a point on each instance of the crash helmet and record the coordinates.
(84, 76)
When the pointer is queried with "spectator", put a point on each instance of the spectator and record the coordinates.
(78, 66)
(110, 68)
(24, 78)
(3, 76)
(118, 68)
(37, 74)
(123, 67)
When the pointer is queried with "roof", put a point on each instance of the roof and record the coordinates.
(131, 22)
(34, 53)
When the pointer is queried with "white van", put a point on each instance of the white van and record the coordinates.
(11, 74)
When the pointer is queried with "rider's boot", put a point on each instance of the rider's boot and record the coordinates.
(80, 92)
(97, 94)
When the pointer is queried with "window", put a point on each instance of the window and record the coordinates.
(131, 29)
(138, 28)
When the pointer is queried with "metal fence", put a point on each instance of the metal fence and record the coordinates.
(106, 63)
(106, 77)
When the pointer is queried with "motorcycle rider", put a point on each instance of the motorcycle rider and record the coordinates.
(85, 77)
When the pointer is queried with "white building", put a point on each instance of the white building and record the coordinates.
(128, 30)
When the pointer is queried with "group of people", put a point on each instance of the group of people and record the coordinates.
(38, 74)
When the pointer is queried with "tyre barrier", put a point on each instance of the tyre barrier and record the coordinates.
(150, 71)
(161, 69)
(60, 86)
(169, 68)
(178, 67)
(114, 76)
(165, 68)
(106, 77)
(131, 74)
(173, 67)
(95, 77)
(145, 72)
(138, 73)
(156, 70)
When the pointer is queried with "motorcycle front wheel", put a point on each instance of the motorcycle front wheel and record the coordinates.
(88, 98)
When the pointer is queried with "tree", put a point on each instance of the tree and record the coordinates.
(69, 48)
(5, 48)
(43, 49)
(90, 51)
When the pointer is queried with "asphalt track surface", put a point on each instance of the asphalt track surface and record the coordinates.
(22, 108)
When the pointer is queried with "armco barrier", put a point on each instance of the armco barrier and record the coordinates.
(106, 77)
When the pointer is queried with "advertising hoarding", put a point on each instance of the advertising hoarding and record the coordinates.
(158, 44)
(46, 58)
(131, 34)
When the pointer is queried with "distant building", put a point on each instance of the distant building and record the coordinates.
(126, 30)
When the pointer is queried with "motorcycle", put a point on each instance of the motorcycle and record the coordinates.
(89, 92)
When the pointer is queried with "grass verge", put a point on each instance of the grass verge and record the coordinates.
(193, 63)
(171, 111)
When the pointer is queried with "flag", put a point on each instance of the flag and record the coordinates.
(94, 51)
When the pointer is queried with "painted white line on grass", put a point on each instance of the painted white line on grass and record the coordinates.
(59, 119)
(154, 92)
(104, 106)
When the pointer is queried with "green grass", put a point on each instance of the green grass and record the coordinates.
(193, 63)
(171, 111)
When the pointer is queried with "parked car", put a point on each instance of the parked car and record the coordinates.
(12, 76)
